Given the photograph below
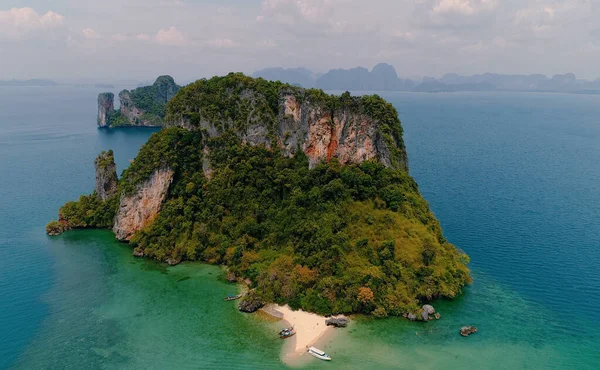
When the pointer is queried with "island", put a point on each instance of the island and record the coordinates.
(305, 196)
(142, 107)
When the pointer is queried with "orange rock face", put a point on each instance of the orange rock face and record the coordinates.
(139, 209)
(348, 137)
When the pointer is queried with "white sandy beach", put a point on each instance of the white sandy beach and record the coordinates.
(309, 327)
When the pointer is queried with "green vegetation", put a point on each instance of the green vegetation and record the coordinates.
(355, 238)
(153, 99)
(87, 212)
(332, 239)
(116, 119)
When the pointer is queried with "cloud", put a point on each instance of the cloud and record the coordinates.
(292, 11)
(19, 22)
(222, 44)
(266, 44)
(90, 34)
(464, 7)
(171, 36)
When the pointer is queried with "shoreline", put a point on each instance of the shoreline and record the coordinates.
(310, 330)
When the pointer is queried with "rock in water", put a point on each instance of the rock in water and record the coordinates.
(338, 321)
(465, 331)
(251, 303)
(106, 175)
(106, 108)
(173, 261)
(428, 310)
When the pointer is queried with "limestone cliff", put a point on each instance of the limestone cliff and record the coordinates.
(351, 129)
(141, 107)
(106, 175)
(140, 208)
(106, 108)
(349, 136)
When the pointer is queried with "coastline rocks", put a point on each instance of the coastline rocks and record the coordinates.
(465, 331)
(426, 313)
(428, 310)
(55, 228)
(250, 303)
(106, 108)
(140, 208)
(173, 261)
(106, 175)
(231, 277)
(138, 253)
(338, 321)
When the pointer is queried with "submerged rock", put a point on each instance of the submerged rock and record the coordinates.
(465, 331)
(337, 321)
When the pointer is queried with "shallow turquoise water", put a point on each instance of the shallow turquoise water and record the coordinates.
(513, 179)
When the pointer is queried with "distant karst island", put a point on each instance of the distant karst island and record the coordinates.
(383, 77)
(32, 82)
(303, 195)
(141, 107)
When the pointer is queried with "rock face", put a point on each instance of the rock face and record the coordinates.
(323, 134)
(140, 208)
(106, 108)
(250, 303)
(338, 321)
(106, 175)
(465, 331)
(345, 132)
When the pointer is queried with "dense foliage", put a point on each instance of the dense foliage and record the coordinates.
(153, 99)
(331, 239)
(87, 212)
(355, 238)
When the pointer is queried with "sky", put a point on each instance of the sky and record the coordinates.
(111, 40)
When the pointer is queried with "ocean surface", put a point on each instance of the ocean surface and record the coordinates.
(513, 178)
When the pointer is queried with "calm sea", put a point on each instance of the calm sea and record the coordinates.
(513, 178)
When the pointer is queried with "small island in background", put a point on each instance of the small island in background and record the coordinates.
(141, 107)
(303, 195)
(32, 82)
(383, 77)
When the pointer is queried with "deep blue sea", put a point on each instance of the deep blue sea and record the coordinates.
(513, 179)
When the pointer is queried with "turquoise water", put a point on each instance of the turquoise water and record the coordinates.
(513, 179)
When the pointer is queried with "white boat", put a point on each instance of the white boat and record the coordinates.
(319, 354)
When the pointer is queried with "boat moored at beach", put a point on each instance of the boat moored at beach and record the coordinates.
(232, 297)
(287, 332)
(319, 354)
